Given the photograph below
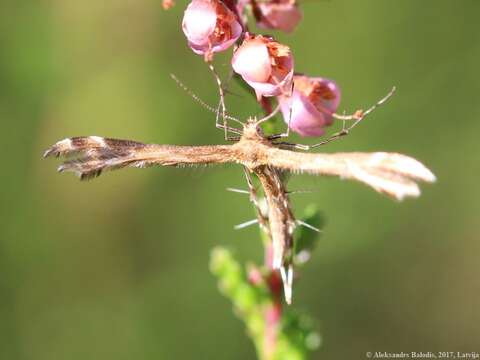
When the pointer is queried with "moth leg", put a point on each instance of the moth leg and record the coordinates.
(269, 116)
(221, 105)
(308, 226)
(284, 144)
(303, 147)
(285, 134)
(261, 216)
(239, 191)
(357, 117)
(338, 135)
(246, 224)
(233, 138)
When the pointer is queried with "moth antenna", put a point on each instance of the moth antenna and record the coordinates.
(246, 224)
(311, 227)
(192, 94)
(204, 104)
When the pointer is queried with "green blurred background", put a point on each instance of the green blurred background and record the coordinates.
(117, 268)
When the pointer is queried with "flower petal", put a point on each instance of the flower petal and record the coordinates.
(302, 117)
(279, 16)
(265, 65)
(210, 27)
(252, 61)
(310, 108)
(199, 21)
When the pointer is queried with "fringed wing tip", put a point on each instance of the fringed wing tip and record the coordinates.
(413, 168)
(62, 147)
(395, 175)
(49, 152)
(400, 193)
(286, 272)
(52, 151)
(82, 175)
(429, 176)
(93, 154)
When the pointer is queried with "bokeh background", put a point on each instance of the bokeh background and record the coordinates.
(117, 268)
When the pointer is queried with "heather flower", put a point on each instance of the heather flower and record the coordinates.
(210, 27)
(265, 65)
(278, 14)
(311, 106)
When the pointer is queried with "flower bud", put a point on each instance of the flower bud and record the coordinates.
(278, 14)
(255, 276)
(168, 4)
(311, 106)
(210, 27)
(265, 65)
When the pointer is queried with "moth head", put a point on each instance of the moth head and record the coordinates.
(252, 130)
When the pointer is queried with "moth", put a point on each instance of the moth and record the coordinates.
(393, 174)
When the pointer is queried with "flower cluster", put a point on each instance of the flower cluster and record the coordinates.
(307, 103)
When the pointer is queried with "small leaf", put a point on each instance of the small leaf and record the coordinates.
(298, 337)
(233, 282)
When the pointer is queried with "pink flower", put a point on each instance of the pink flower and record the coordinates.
(311, 105)
(265, 65)
(278, 14)
(210, 27)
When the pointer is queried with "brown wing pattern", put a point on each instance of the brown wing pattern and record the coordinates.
(92, 155)
(281, 224)
(280, 217)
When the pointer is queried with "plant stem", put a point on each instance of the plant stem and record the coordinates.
(273, 311)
